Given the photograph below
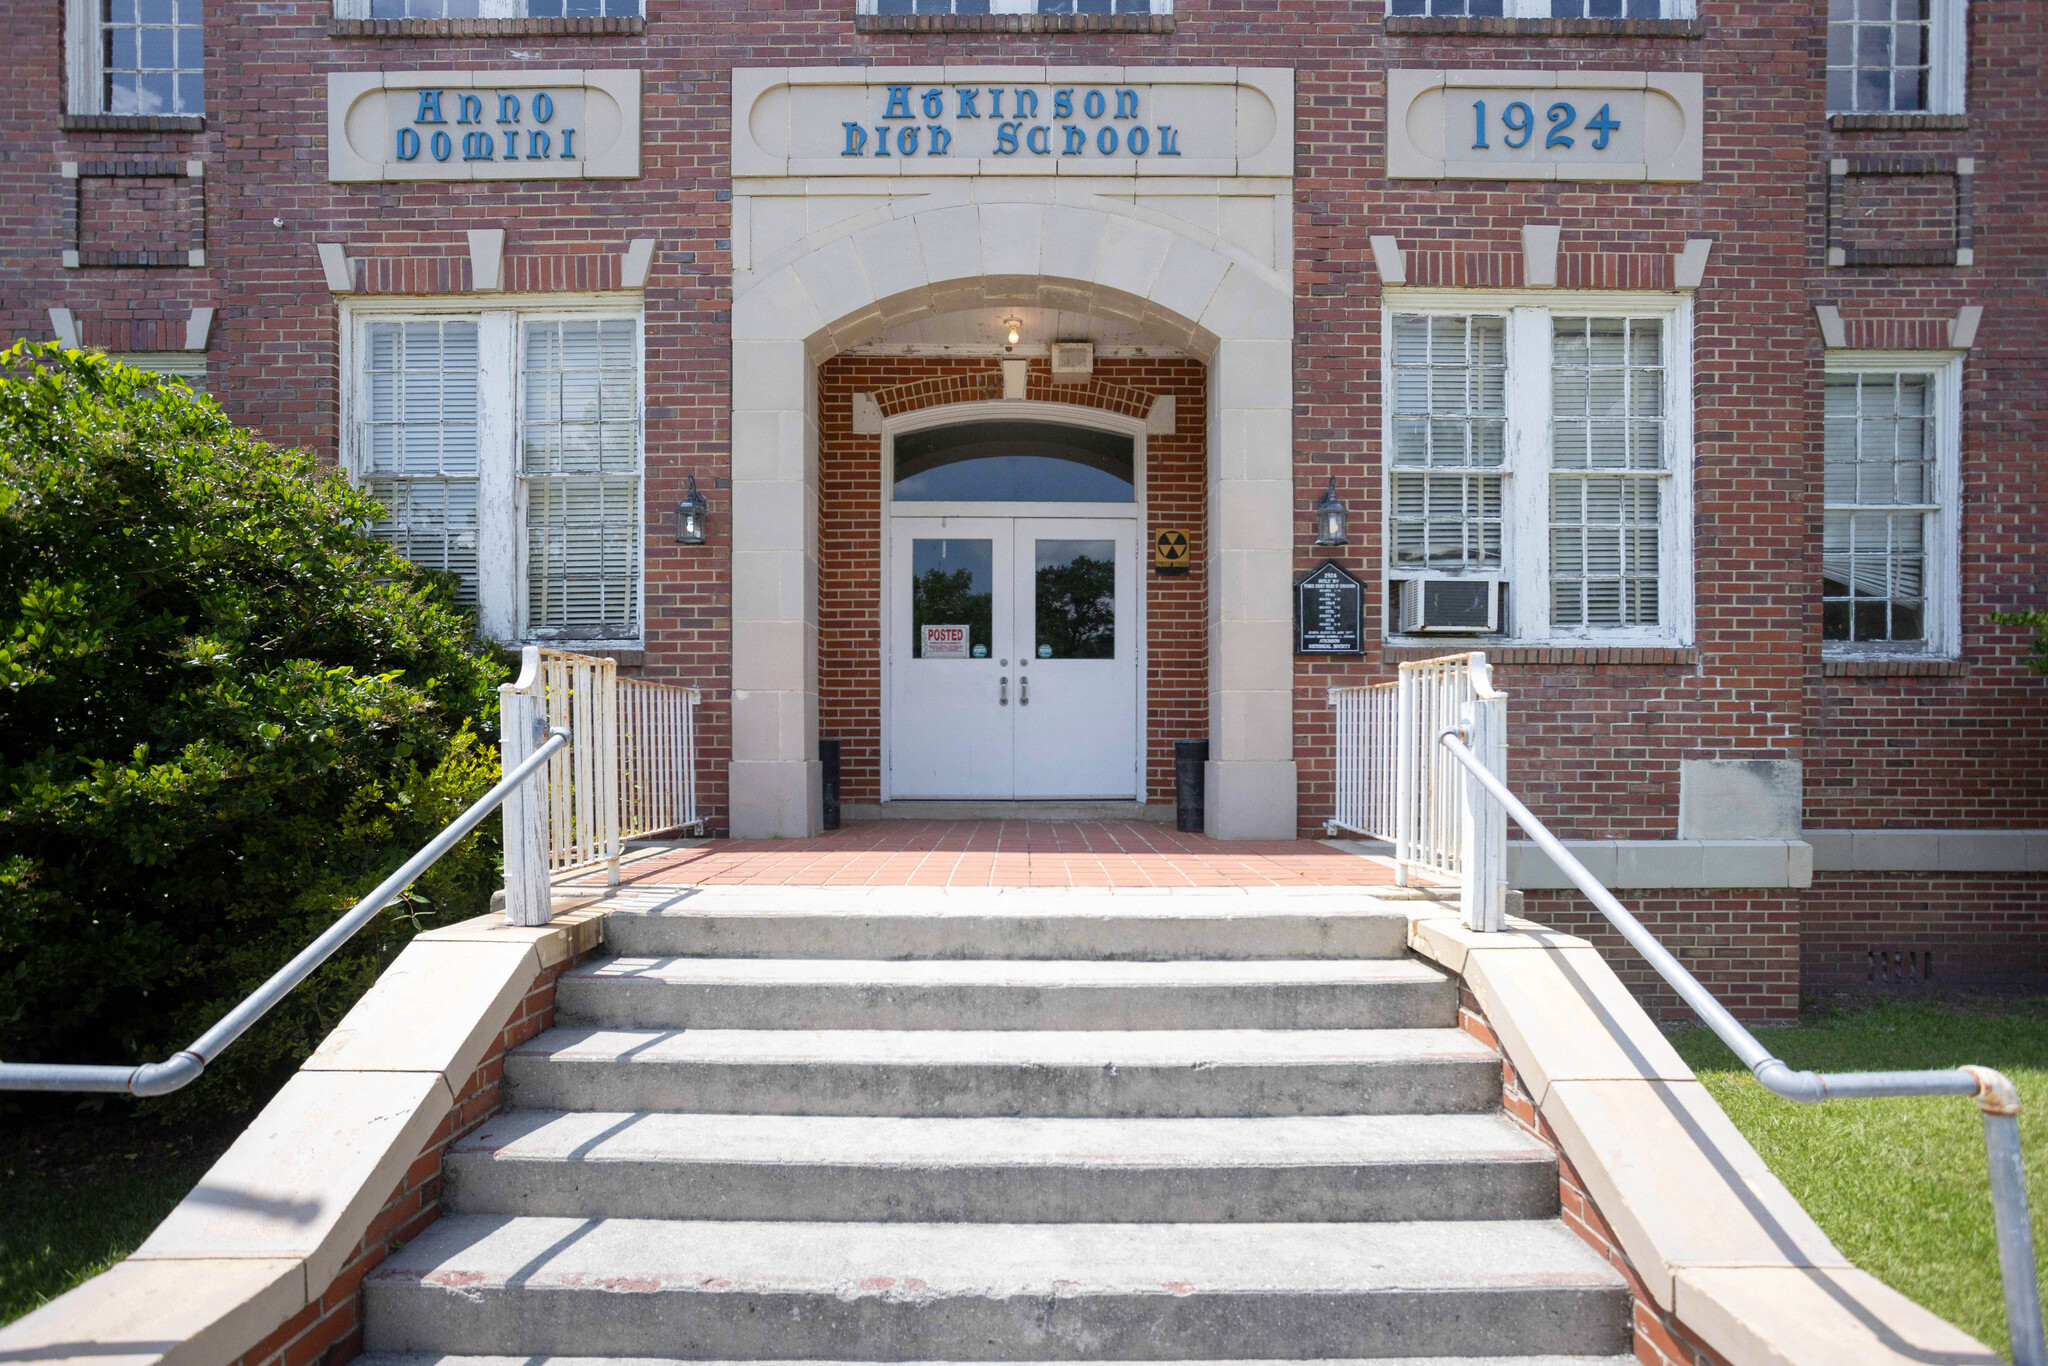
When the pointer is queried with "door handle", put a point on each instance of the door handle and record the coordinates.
(1003, 698)
(1023, 690)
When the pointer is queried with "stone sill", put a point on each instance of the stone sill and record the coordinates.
(1898, 123)
(1586, 655)
(1690, 864)
(1013, 23)
(131, 123)
(1929, 851)
(624, 26)
(1893, 668)
(1420, 24)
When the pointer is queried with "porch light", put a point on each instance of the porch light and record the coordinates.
(1331, 516)
(1014, 328)
(691, 515)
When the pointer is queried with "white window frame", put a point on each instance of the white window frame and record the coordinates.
(1948, 62)
(1013, 7)
(1540, 9)
(1525, 495)
(189, 366)
(502, 597)
(1944, 526)
(85, 62)
(486, 9)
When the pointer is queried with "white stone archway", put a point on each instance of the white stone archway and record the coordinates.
(1013, 241)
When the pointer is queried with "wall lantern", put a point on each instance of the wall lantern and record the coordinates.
(691, 515)
(1013, 328)
(1331, 516)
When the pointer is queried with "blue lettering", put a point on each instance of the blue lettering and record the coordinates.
(478, 147)
(1063, 104)
(967, 99)
(1027, 104)
(512, 144)
(942, 138)
(934, 104)
(1077, 141)
(881, 139)
(906, 141)
(538, 145)
(568, 152)
(1006, 139)
(1603, 124)
(1039, 139)
(1094, 104)
(408, 144)
(899, 100)
(441, 146)
(505, 103)
(430, 108)
(1105, 141)
(1169, 145)
(543, 107)
(469, 109)
(995, 101)
(856, 139)
(1127, 104)
(1138, 140)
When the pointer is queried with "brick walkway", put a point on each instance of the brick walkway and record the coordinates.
(1008, 854)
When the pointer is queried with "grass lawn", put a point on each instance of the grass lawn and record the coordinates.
(79, 1192)
(1900, 1185)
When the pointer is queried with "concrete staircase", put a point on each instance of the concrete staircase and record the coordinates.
(1070, 1132)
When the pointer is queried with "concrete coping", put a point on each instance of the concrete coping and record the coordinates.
(274, 1221)
(1715, 1237)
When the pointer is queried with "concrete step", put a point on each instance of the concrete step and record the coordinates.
(820, 1168)
(1052, 1292)
(1163, 1073)
(898, 923)
(999, 994)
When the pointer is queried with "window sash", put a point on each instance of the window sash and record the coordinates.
(1597, 544)
(1014, 7)
(486, 9)
(1896, 56)
(1544, 9)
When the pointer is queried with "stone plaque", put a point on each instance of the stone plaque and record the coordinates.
(1013, 120)
(1327, 613)
(1544, 125)
(483, 125)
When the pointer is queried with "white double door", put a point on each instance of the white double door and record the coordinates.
(1013, 657)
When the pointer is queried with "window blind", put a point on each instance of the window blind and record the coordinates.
(419, 442)
(579, 465)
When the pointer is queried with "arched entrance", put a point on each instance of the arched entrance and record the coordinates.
(836, 289)
(1012, 618)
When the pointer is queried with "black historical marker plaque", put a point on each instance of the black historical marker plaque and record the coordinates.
(1326, 613)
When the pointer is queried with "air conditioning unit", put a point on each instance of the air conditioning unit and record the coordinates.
(1450, 606)
(1072, 362)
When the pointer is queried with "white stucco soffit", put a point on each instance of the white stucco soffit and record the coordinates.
(1013, 120)
(483, 125)
(1545, 125)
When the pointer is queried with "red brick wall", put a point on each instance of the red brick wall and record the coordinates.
(1981, 929)
(1743, 944)
(849, 540)
(329, 1331)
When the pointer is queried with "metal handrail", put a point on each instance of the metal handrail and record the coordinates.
(184, 1067)
(1993, 1092)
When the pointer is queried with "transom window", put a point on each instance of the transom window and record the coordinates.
(1888, 541)
(1541, 448)
(1895, 56)
(136, 57)
(1014, 462)
(505, 449)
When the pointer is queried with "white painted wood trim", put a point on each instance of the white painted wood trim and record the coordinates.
(82, 73)
(500, 514)
(1948, 63)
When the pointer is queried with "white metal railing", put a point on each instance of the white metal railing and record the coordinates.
(1395, 783)
(630, 770)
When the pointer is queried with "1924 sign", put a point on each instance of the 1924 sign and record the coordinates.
(1327, 611)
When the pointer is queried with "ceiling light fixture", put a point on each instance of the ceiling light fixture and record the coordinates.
(1014, 327)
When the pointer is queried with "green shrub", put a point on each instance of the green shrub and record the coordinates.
(226, 712)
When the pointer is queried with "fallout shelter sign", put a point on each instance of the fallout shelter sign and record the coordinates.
(483, 125)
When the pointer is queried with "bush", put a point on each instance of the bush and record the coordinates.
(226, 712)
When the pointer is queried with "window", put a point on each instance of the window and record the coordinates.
(1015, 7)
(1014, 462)
(1895, 56)
(1544, 9)
(188, 366)
(1545, 448)
(486, 9)
(137, 57)
(1888, 543)
(505, 449)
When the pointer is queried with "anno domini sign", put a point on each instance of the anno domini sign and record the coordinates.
(1013, 120)
(483, 125)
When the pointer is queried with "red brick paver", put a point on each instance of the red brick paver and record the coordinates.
(1010, 854)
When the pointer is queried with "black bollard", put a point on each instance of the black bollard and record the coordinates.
(828, 764)
(1190, 758)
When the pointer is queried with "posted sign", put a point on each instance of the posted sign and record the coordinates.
(945, 642)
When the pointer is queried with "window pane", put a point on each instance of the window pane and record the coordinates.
(1877, 57)
(579, 460)
(153, 55)
(951, 584)
(1450, 391)
(1879, 452)
(1076, 600)
(418, 446)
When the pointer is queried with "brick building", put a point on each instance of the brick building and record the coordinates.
(1692, 356)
